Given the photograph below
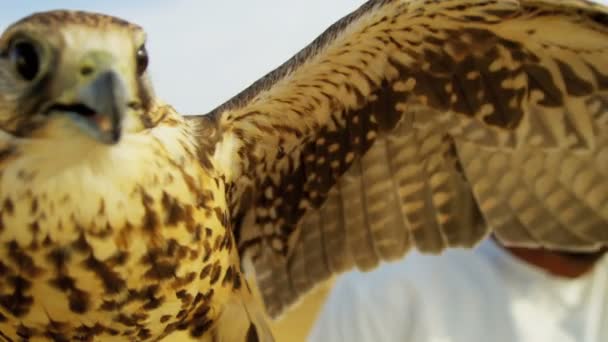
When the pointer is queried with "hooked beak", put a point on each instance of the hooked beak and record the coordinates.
(98, 107)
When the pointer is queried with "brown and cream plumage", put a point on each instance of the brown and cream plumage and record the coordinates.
(407, 124)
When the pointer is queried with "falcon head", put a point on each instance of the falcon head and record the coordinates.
(73, 76)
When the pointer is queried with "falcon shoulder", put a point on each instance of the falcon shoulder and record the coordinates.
(419, 124)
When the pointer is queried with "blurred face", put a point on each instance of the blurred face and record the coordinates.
(585, 258)
(562, 264)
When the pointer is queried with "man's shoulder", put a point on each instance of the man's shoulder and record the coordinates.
(416, 297)
(420, 268)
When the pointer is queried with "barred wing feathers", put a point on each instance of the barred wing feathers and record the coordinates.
(420, 124)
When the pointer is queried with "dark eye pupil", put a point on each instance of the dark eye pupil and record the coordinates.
(25, 59)
(142, 60)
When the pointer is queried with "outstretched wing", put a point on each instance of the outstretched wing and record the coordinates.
(420, 124)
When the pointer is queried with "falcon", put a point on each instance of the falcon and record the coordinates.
(406, 125)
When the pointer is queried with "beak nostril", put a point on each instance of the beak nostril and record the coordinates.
(134, 105)
(86, 70)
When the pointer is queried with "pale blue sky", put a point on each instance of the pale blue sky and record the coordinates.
(203, 52)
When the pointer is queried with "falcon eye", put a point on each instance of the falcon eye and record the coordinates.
(141, 58)
(24, 56)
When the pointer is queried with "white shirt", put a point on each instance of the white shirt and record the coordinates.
(483, 295)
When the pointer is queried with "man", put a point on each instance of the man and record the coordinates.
(494, 293)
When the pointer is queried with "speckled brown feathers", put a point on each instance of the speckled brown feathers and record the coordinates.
(421, 124)
(408, 124)
(122, 274)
